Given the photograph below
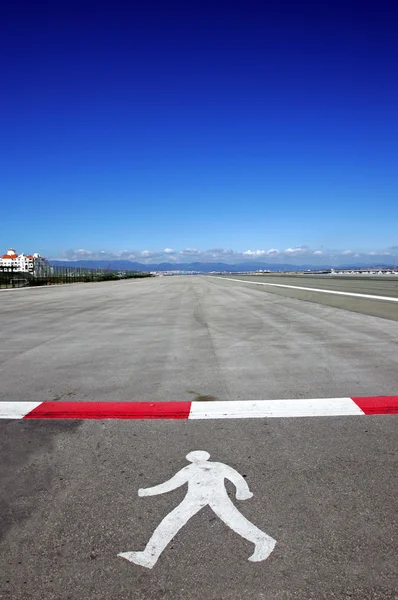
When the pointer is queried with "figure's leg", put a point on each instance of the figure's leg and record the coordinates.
(232, 517)
(163, 534)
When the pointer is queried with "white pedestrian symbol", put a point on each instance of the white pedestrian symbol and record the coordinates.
(205, 487)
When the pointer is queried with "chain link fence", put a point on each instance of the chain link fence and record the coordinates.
(10, 278)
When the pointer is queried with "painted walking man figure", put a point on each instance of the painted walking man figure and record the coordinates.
(205, 487)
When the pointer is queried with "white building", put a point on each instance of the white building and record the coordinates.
(26, 263)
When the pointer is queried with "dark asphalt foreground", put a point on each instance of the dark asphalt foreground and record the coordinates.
(324, 488)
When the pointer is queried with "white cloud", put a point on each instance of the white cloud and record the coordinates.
(83, 252)
(255, 252)
(297, 251)
(289, 252)
(221, 252)
(294, 255)
(189, 251)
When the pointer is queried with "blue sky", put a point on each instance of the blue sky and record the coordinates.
(129, 130)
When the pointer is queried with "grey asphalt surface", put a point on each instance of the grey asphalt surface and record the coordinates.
(386, 286)
(176, 338)
(324, 488)
(379, 285)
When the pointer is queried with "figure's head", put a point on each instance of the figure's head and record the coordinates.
(197, 456)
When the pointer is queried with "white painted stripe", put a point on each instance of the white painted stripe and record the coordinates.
(16, 410)
(243, 409)
(310, 289)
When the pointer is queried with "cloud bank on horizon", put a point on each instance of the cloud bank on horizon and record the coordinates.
(294, 255)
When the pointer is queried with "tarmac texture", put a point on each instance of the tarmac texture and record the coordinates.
(324, 488)
(379, 285)
(179, 338)
(359, 286)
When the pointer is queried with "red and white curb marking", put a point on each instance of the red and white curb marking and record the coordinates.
(257, 409)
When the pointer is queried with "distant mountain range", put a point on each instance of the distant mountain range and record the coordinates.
(203, 267)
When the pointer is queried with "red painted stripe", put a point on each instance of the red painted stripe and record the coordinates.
(110, 410)
(378, 405)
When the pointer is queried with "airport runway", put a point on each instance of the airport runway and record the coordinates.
(380, 285)
(349, 292)
(176, 338)
(324, 488)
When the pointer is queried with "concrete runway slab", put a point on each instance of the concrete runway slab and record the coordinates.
(187, 337)
(379, 285)
(375, 296)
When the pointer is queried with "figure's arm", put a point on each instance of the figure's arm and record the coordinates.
(242, 489)
(175, 482)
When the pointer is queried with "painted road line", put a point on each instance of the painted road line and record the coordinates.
(110, 410)
(16, 410)
(206, 487)
(241, 409)
(310, 289)
(266, 409)
(378, 405)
